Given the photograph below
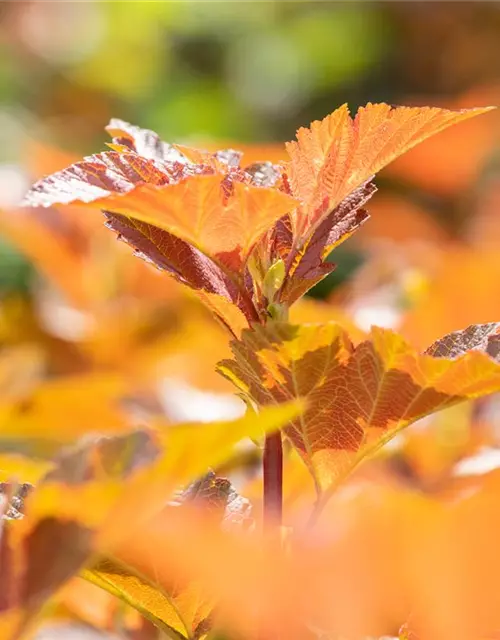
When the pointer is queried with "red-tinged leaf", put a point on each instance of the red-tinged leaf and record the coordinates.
(220, 215)
(338, 154)
(199, 211)
(479, 337)
(308, 264)
(98, 176)
(281, 238)
(189, 266)
(216, 496)
(144, 142)
(357, 397)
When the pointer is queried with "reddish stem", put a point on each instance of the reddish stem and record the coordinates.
(273, 481)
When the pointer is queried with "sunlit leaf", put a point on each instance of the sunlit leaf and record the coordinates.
(199, 212)
(358, 397)
(201, 230)
(146, 143)
(338, 154)
(166, 611)
(96, 177)
(221, 222)
(308, 264)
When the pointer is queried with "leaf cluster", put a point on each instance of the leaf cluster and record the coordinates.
(138, 506)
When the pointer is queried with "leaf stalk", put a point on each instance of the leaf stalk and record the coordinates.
(273, 482)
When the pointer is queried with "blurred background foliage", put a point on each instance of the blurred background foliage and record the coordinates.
(240, 72)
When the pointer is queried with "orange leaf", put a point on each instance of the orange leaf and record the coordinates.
(338, 154)
(358, 398)
(199, 212)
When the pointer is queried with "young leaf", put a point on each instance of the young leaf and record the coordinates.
(146, 143)
(189, 266)
(222, 219)
(98, 176)
(358, 397)
(308, 264)
(201, 230)
(333, 157)
(330, 170)
(200, 215)
(199, 211)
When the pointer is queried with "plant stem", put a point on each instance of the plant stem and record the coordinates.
(273, 482)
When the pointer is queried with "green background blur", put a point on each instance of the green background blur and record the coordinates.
(228, 71)
(248, 71)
